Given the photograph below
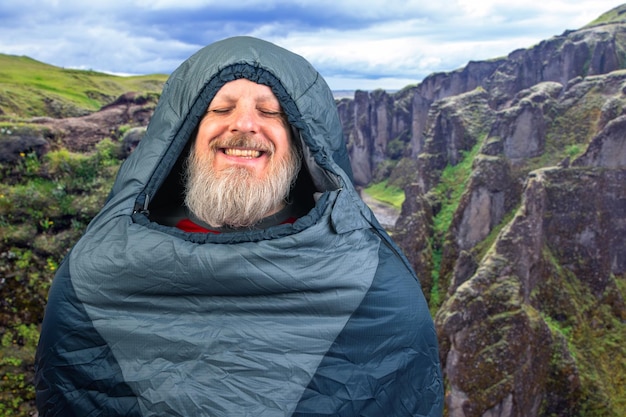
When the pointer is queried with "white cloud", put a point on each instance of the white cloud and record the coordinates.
(399, 50)
(386, 44)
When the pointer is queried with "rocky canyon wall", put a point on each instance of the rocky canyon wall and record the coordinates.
(515, 219)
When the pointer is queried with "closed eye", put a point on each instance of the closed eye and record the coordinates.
(220, 110)
(271, 113)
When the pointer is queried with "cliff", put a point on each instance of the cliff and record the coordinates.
(515, 219)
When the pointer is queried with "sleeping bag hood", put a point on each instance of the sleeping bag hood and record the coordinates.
(320, 317)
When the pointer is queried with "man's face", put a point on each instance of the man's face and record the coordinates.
(243, 164)
(243, 109)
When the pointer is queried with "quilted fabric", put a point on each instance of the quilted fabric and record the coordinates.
(322, 317)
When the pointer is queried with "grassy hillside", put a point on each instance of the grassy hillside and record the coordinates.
(31, 88)
(616, 15)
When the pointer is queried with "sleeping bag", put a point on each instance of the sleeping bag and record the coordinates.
(321, 316)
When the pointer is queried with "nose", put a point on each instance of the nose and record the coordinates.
(245, 120)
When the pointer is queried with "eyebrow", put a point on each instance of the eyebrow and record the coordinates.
(260, 98)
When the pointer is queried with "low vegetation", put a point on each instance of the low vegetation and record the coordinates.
(45, 205)
(390, 194)
(595, 333)
(448, 193)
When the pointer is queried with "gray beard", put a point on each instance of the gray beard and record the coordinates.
(234, 197)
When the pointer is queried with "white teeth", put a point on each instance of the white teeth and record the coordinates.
(242, 153)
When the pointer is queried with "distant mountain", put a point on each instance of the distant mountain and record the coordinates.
(339, 94)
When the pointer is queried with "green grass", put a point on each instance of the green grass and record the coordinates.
(452, 184)
(386, 193)
(435, 299)
(27, 86)
(449, 190)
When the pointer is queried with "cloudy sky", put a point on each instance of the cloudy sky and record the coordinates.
(355, 44)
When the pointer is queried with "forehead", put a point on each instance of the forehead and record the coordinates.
(243, 88)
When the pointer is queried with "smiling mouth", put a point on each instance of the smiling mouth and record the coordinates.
(243, 153)
(243, 146)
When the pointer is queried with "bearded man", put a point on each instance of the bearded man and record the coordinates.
(243, 162)
(234, 270)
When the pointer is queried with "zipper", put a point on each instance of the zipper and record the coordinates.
(142, 208)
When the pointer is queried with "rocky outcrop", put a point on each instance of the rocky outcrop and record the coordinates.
(412, 232)
(370, 120)
(373, 121)
(608, 148)
(503, 347)
(522, 126)
(514, 219)
(379, 125)
(583, 52)
(455, 125)
(19, 142)
(77, 134)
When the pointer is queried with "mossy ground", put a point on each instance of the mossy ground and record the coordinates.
(595, 334)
